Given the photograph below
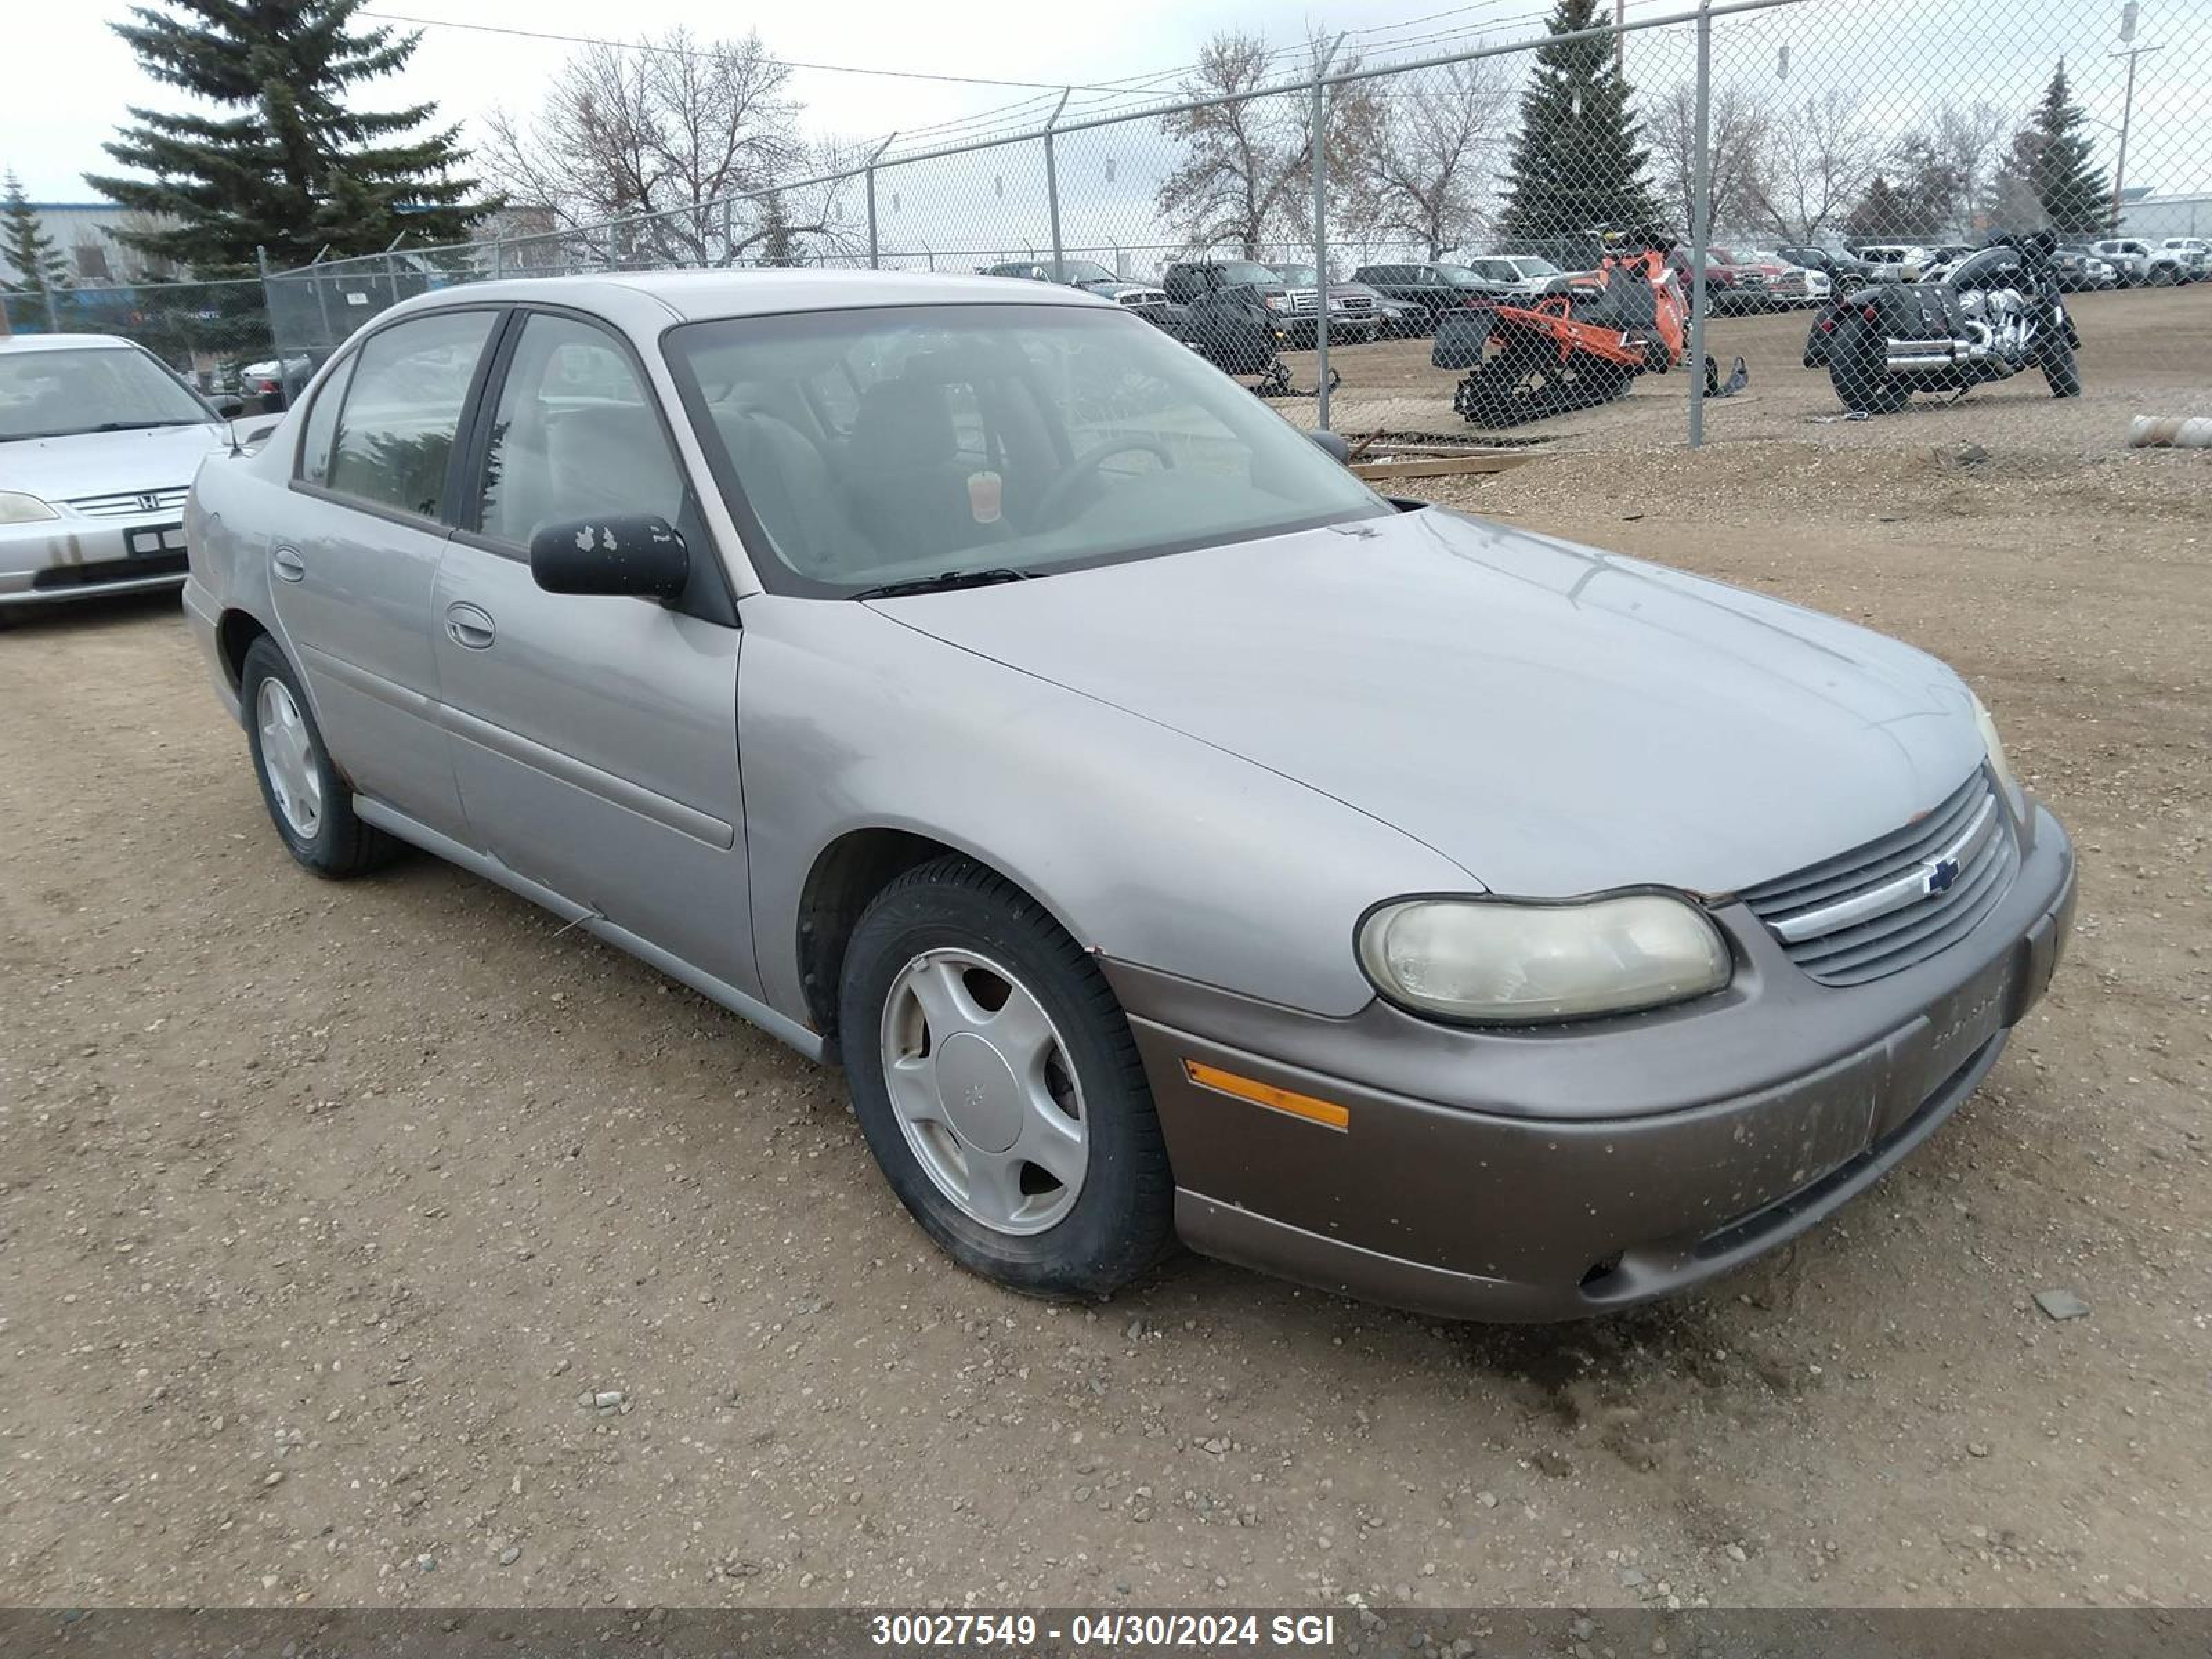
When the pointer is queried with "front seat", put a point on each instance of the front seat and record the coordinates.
(788, 486)
(611, 458)
(908, 485)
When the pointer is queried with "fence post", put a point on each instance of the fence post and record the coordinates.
(1318, 142)
(874, 264)
(1701, 222)
(1052, 182)
(53, 313)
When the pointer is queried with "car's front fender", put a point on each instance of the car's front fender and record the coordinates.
(1147, 845)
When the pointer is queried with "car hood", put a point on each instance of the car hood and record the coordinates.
(1115, 289)
(1554, 720)
(107, 463)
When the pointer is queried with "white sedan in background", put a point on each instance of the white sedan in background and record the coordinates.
(99, 442)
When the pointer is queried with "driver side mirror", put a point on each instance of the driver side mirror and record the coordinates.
(637, 555)
(1333, 445)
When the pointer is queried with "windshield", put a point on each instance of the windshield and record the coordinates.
(1296, 276)
(882, 446)
(1236, 272)
(1460, 276)
(1529, 265)
(53, 394)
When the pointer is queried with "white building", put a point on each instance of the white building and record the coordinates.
(88, 235)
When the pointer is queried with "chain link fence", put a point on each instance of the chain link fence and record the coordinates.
(1554, 214)
(216, 335)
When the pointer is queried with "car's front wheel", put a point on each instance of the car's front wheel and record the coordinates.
(998, 1085)
(308, 802)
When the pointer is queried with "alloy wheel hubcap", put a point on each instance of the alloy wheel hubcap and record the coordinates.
(983, 1090)
(288, 759)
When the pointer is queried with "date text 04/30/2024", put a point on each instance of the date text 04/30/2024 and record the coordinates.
(1130, 1629)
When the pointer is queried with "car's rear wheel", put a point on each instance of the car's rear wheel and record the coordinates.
(308, 802)
(998, 1085)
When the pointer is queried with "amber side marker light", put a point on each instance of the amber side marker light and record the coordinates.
(1327, 1113)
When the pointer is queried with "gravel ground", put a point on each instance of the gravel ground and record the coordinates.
(382, 1243)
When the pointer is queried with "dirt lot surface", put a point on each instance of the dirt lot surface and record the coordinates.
(326, 1210)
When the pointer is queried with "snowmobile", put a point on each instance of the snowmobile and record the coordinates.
(1996, 313)
(1579, 344)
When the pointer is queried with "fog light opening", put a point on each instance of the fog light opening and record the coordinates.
(1602, 1269)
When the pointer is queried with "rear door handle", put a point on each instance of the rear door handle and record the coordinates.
(289, 565)
(469, 627)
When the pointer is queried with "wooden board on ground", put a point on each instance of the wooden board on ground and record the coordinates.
(1442, 466)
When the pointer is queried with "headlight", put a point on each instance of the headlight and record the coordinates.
(1277, 302)
(1995, 744)
(23, 509)
(1503, 962)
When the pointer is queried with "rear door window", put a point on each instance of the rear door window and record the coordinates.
(402, 408)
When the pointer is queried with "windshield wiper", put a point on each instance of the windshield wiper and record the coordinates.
(944, 582)
(134, 426)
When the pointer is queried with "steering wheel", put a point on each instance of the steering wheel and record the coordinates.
(1061, 491)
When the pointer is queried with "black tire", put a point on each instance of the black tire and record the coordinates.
(342, 845)
(1856, 370)
(1122, 1217)
(2060, 369)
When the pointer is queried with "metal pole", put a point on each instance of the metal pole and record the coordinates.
(2127, 114)
(53, 314)
(1701, 225)
(873, 264)
(1052, 184)
(1318, 142)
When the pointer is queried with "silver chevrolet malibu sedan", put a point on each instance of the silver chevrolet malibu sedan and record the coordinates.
(1168, 835)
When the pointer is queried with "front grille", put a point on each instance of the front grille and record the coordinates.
(1899, 900)
(1359, 303)
(128, 505)
(1143, 298)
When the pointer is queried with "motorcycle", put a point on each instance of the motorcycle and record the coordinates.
(1996, 313)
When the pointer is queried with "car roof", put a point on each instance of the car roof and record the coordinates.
(695, 295)
(64, 342)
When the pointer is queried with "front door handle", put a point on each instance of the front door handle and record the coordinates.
(469, 627)
(289, 565)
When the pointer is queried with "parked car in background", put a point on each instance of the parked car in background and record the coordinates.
(269, 386)
(1525, 274)
(1432, 289)
(1236, 312)
(2195, 251)
(1099, 790)
(1843, 271)
(1351, 306)
(1732, 285)
(98, 439)
(1895, 262)
(2139, 263)
(1145, 299)
(2079, 267)
(1790, 284)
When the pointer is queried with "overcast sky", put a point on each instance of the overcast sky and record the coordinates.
(1897, 53)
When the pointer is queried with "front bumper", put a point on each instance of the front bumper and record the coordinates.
(73, 557)
(1550, 1174)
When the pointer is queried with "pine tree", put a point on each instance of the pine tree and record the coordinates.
(1577, 164)
(281, 162)
(1882, 214)
(24, 246)
(2050, 156)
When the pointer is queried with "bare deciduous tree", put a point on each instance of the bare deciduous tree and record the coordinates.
(1417, 156)
(1245, 159)
(1969, 139)
(675, 129)
(1739, 128)
(1818, 156)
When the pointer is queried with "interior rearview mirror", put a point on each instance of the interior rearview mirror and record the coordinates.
(637, 555)
(1333, 444)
